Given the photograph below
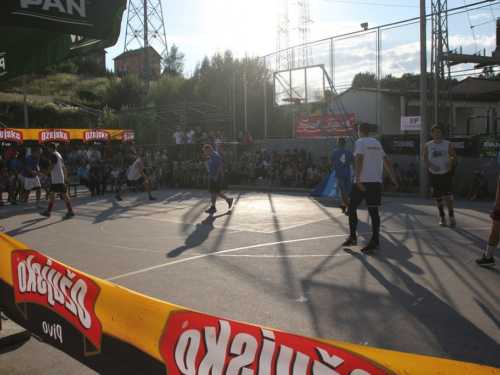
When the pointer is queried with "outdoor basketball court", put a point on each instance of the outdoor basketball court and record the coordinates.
(276, 260)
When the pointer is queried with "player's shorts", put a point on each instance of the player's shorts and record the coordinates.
(132, 183)
(58, 188)
(31, 183)
(372, 195)
(344, 185)
(215, 187)
(441, 184)
(494, 214)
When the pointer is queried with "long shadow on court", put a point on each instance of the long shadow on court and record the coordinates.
(198, 236)
(455, 334)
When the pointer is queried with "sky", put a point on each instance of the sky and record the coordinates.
(201, 28)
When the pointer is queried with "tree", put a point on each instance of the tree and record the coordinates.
(364, 80)
(174, 62)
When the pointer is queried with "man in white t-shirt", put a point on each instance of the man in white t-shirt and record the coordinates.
(440, 156)
(177, 137)
(370, 158)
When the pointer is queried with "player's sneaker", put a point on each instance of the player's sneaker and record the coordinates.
(229, 203)
(350, 241)
(442, 222)
(118, 198)
(453, 222)
(45, 213)
(211, 210)
(485, 262)
(151, 198)
(342, 207)
(372, 247)
(39, 205)
(26, 207)
(68, 215)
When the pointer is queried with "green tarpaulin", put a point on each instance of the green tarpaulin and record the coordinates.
(86, 18)
(23, 49)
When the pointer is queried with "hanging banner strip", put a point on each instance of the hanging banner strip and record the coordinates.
(113, 330)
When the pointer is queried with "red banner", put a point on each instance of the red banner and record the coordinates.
(45, 282)
(96, 135)
(321, 126)
(11, 135)
(53, 135)
(128, 136)
(196, 343)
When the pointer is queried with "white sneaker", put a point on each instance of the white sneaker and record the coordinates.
(26, 207)
(39, 205)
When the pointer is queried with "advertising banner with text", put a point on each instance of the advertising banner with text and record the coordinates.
(113, 330)
(38, 137)
(89, 19)
(409, 144)
(322, 126)
(25, 49)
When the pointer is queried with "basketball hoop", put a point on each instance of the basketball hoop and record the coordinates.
(295, 101)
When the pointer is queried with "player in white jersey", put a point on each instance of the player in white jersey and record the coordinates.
(440, 157)
(370, 159)
(136, 177)
(58, 174)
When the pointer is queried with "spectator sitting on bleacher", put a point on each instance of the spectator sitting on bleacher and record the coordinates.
(108, 154)
(118, 160)
(276, 157)
(289, 175)
(399, 178)
(410, 178)
(73, 159)
(313, 177)
(93, 154)
(83, 173)
(274, 172)
(81, 153)
(286, 157)
(477, 187)
(5, 185)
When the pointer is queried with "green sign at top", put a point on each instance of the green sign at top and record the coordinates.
(24, 49)
(86, 18)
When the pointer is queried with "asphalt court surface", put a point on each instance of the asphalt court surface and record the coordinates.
(276, 260)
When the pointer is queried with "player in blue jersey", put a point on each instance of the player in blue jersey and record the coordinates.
(341, 160)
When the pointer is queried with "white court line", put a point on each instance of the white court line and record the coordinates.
(218, 253)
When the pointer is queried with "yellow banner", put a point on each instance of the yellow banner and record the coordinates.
(20, 135)
(114, 330)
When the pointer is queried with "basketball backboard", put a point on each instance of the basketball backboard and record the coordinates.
(306, 84)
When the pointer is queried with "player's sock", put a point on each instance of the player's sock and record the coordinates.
(70, 209)
(441, 211)
(450, 213)
(490, 249)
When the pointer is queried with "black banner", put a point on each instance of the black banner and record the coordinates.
(409, 144)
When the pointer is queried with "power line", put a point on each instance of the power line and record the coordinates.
(384, 5)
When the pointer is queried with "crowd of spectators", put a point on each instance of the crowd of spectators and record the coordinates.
(103, 169)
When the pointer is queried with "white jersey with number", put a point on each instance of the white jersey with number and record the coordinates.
(438, 154)
(373, 155)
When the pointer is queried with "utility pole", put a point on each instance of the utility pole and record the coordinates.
(145, 31)
(283, 58)
(305, 53)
